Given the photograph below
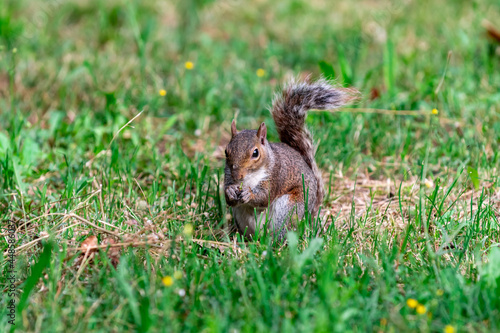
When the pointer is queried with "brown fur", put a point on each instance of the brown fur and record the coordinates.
(289, 113)
(281, 169)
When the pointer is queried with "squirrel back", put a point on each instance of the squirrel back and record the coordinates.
(289, 112)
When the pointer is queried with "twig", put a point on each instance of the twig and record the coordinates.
(93, 225)
(131, 120)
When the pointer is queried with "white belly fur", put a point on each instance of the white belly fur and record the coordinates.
(244, 216)
(253, 179)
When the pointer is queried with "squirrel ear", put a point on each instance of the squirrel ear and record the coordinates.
(262, 133)
(233, 128)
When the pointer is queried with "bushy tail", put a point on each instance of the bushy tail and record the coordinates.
(289, 112)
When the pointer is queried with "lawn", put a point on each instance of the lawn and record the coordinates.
(114, 116)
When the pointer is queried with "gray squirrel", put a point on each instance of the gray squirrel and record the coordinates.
(260, 175)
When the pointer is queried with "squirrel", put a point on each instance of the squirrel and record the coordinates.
(263, 179)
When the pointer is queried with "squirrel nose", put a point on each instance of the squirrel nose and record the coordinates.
(237, 174)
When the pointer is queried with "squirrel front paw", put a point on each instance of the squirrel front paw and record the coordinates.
(233, 192)
(246, 195)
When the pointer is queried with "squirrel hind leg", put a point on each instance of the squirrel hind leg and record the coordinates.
(282, 211)
(244, 218)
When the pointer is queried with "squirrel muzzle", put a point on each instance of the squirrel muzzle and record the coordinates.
(238, 174)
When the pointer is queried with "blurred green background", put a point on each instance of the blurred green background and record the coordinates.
(80, 70)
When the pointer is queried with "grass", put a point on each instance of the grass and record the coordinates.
(89, 147)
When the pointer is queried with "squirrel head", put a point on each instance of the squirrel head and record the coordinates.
(247, 151)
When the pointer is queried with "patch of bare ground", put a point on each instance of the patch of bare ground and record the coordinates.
(391, 203)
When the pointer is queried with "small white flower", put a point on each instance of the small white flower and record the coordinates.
(182, 292)
(264, 253)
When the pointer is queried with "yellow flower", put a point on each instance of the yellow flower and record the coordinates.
(168, 281)
(412, 303)
(189, 65)
(162, 92)
(383, 322)
(435, 111)
(440, 292)
(421, 309)
(261, 72)
(177, 275)
(188, 229)
(449, 329)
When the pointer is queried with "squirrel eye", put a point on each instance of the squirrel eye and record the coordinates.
(255, 153)
(225, 151)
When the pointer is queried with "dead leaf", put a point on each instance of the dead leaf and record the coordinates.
(59, 287)
(89, 244)
(374, 93)
(491, 30)
(113, 252)
(88, 248)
